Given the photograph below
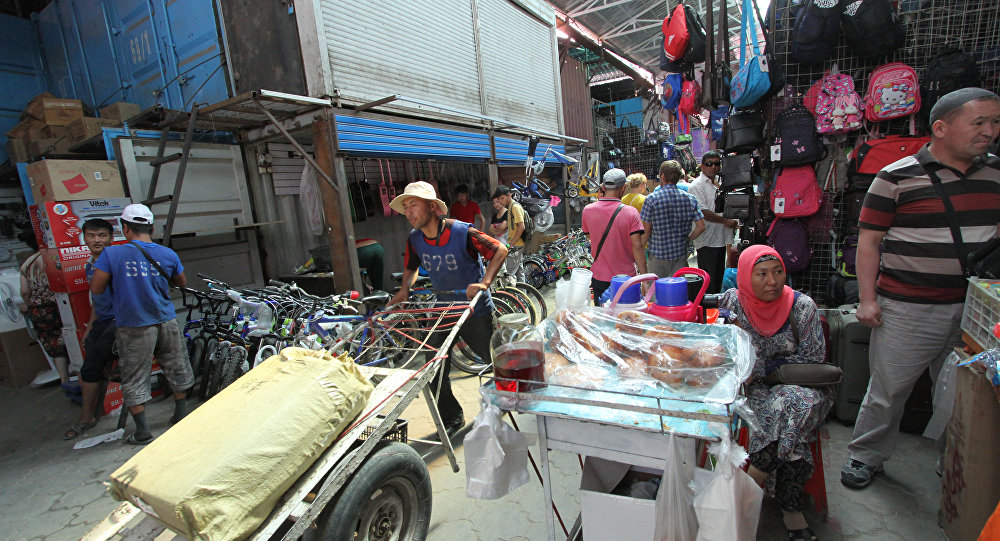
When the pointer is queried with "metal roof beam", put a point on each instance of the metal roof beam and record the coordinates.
(597, 5)
(647, 24)
(635, 18)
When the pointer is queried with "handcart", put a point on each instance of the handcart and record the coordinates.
(346, 494)
(622, 421)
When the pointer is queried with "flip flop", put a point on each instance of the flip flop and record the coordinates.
(78, 429)
(131, 440)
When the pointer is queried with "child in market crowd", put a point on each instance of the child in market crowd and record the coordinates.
(99, 335)
(139, 275)
(784, 327)
(498, 224)
(635, 190)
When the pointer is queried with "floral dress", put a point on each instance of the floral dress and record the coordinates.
(787, 414)
(42, 309)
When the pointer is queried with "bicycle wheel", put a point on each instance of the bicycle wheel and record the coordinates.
(392, 340)
(463, 358)
(211, 346)
(541, 308)
(535, 273)
(516, 302)
(525, 301)
(195, 355)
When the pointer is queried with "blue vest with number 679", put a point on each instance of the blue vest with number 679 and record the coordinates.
(450, 266)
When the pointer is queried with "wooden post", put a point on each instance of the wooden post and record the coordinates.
(336, 213)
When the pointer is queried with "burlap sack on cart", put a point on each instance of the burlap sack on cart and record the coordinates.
(218, 473)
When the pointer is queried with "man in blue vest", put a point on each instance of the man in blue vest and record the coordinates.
(99, 335)
(139, 275)
(452, 253)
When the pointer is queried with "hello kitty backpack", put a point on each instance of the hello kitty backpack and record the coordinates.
(893, 92)
(837, 105)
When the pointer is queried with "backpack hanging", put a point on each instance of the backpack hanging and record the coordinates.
(836, 105)
(675, 34)
(690, 92)
(716, 119)
(893, 92)
(795, 192)
(948, 71)
(791, 240)
(872, 156)
(751, 81)
(872, 28)
(814, 36)
(695, 50)
(795, 132)
(672, 87)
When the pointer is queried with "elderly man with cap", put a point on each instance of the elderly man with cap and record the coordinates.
(452, 253)
(614, 230)
(139, 275)
(671, 219)
(912, 292)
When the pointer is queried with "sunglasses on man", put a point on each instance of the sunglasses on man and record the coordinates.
(712, 164)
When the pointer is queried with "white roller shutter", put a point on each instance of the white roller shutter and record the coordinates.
(519, 70)
(411, 47)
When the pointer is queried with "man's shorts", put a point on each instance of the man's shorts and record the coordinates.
(136, 348)
(99, 348)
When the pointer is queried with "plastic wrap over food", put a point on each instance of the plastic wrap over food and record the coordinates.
(634, 352)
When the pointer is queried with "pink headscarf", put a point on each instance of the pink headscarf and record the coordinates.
(766, 318)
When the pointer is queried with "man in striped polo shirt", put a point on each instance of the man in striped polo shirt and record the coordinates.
(912, 294)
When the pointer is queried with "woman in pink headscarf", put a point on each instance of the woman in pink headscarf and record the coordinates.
(784, 328)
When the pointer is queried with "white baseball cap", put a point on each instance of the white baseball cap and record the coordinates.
(137, 214)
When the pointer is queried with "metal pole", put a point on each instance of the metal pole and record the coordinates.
(339, 228)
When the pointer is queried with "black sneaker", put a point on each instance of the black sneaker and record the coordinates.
(857, 474)
(453, 425)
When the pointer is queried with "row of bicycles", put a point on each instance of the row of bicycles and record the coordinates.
(231, 330)
(557, 259)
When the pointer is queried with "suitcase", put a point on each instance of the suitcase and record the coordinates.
(849, 350)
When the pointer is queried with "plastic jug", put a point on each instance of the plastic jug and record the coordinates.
(614, 307)
(689, 311)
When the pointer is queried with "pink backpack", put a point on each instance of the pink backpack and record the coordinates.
(838, 106)
(893, 92)
(795, 192)
(690, 92)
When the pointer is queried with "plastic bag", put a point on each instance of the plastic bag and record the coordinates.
(675, 515)
(728, 509)
(496, 456)
(944, 397)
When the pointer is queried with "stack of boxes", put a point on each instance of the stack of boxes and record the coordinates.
(51, 125)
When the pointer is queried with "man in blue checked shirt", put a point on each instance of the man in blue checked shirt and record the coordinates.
(667, 217)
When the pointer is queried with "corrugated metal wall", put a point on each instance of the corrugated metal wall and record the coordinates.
(21, 75)
(578, 109)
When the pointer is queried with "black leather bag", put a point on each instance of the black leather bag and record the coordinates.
(736, 172)
(722, 73)
(817, 375)
(984, 261)
(743, 131)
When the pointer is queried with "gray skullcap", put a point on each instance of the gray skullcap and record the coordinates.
(614, 178)
(953, 100)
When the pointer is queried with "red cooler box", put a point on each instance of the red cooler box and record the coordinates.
(59, 222)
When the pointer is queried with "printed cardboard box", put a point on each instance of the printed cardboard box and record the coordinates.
(84, 128)
(60, 222)
(36, 225)
(41, 147)
(120, 111)
(66, 269)
(21, 358)
(52, 110)
(75, 180)
(74, 309)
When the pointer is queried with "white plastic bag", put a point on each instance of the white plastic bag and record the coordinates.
(944, 397)
(496, 456)
(675, 518)
(728, 508)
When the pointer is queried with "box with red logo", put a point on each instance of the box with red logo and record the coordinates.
(60, 222)
(36, 225)
(114, 399)
(66, 268)
(74, 180)
(74, 309)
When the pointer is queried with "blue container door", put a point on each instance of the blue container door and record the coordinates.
(98, 58)
(138, 47)
(56, 53)
(194, 54)
(21, 76)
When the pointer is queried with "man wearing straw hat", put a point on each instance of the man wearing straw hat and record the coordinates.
(452, 253)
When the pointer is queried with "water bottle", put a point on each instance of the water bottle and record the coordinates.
(518, 354)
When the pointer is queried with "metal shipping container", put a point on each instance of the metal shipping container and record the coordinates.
(21, 75)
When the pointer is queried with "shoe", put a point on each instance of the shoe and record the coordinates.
(805, 534)
(857, 474)
(453, 425)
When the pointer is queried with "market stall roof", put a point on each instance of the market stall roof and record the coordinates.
(631, 28)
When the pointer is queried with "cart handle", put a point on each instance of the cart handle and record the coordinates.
(629, 283)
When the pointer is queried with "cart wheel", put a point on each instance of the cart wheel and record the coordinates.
(388, 497)
(572, 191)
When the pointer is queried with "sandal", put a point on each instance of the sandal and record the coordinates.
(132, 440)
(76, 430)
(805, 534)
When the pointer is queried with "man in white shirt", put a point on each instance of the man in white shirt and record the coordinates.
(711, 245)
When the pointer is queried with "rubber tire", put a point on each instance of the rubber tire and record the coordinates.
(535, 296)
(391, 467)
(572, 191)
(544, 219)
(196, 355)
(535, 273)
(516, 301)
(463, 358)
(206, 368)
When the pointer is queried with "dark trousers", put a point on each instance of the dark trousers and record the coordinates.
(477, 332)
(372, 258)
(99, 350)
(713, 261)
(790, 478)
(599, 287)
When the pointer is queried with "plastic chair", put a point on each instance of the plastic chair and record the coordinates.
(816, 485)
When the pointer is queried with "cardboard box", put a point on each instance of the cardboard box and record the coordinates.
(40, 147)
(74, 180)
(114, 399)
(26, 128)
(21, 358)
(74, 346)
(970, 486)
(36, 225)
(74, 309)
(120, 111)
(52, 110)
(85, 128)
(60, 222)
(17, 150)
(66, 268)
(50, 131)
(610, 516)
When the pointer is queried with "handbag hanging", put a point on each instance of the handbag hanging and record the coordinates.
(775, 72)
(736, 172)
(751, 81)
(705, 101)
(722, 74)
(743, 131)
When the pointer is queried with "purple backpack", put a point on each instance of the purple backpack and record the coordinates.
(790, 239)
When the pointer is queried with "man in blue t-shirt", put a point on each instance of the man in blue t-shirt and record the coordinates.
(99, 334)
(139, 275)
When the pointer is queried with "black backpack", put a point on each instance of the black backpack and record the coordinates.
(672, 66)
(814, 36)
(795, 131)
(872, 28)
(695, 52)
(949, 71)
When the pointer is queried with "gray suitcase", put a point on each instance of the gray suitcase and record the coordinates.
(849, 350)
